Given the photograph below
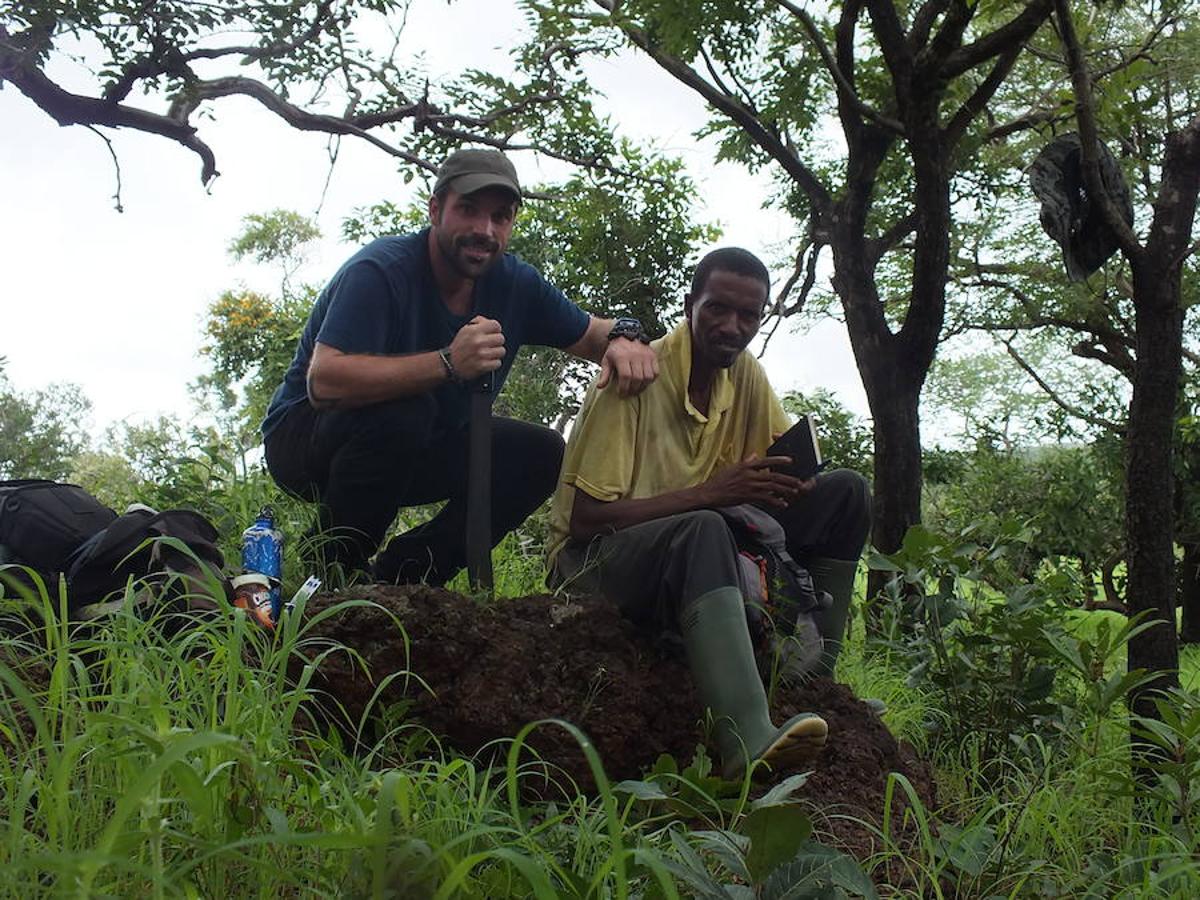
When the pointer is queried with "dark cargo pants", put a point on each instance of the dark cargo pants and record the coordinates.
(364, 464)
(655, 569)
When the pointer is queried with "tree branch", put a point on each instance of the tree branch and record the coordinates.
(1031, 119)
(1112, 597)
(74, 109)
(1118, 345)
(1014, 33)
(1089, 137)
(169, 60)
(116, 164)
(295, 116)
(979, 98)
(806, 264)
(806, 261)
(895, 233)
(845, 88)
(1082, 414)
(922, 23)
(736, 110)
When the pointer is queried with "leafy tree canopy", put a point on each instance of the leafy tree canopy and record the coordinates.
(338, 67)
(40, 430)
(252, 336)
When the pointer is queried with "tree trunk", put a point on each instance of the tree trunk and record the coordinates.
(1158, 324)
(1189, 593)
(897, 487)
(1149, 488)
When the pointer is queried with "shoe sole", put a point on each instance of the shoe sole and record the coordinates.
(800, 744)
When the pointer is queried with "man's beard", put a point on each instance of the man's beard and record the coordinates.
(725, 354)
(453, 252)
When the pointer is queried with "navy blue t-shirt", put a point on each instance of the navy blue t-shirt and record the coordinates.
(384, 301)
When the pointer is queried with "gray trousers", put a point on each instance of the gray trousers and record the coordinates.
(655, 569)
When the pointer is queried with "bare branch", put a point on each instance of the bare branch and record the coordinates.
(1118, 346)
(895, 233)
(806, 261)
(116, 164)
(1031, 119)
(74, 109)
(1112, 597)
(712, 71)
(1082, 414)
(922, 22)
(979, 98)
(295, 116)
(1141, 52)
(805, 266)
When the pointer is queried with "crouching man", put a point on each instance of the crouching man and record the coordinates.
(635, 514)
(372, 414)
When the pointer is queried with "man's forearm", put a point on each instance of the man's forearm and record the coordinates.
(591, 517)
(357, 379)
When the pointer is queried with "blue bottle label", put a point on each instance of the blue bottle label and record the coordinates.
(262, 551)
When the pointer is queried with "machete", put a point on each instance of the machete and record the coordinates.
(479, 486)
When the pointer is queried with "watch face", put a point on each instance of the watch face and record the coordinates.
(627, 328)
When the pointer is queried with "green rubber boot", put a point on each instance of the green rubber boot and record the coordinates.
(722, 662)
(836, 576)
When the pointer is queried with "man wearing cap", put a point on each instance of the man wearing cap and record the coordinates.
(372, 413)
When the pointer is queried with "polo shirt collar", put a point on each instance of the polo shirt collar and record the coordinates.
(676, 355)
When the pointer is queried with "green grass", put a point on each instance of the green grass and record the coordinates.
(194, 765)
(1054, 817)
(190, 766)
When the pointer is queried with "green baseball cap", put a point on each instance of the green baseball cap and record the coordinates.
(468, 171)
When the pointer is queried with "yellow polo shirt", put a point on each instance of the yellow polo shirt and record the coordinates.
(658, 441)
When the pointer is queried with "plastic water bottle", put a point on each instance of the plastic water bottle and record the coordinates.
(262, 551)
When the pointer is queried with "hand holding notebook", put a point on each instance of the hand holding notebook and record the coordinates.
(800, 443)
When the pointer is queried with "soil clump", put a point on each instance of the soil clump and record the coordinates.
(477, 673)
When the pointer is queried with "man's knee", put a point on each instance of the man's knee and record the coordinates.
(849, 491)
(705, 531)
(849, 498)
(538, 451)
(544, 451)
(833, 519)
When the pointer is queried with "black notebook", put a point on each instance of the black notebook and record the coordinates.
(801, 444)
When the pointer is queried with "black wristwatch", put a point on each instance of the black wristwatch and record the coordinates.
(628, 327)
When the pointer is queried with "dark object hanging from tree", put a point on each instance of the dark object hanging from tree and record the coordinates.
(1069, 214)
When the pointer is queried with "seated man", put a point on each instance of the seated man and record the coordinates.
(372, 413)
(635, 514)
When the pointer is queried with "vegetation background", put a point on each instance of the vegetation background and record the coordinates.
(1021, 616)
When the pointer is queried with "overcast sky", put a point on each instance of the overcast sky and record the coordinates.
(114, 301)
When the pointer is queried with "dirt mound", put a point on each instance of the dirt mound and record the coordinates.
(487, 670)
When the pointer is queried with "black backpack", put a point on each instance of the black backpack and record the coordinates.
(61, 529)
(42, 523)
(187, 565)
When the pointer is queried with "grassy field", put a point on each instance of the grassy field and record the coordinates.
(138, 764)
